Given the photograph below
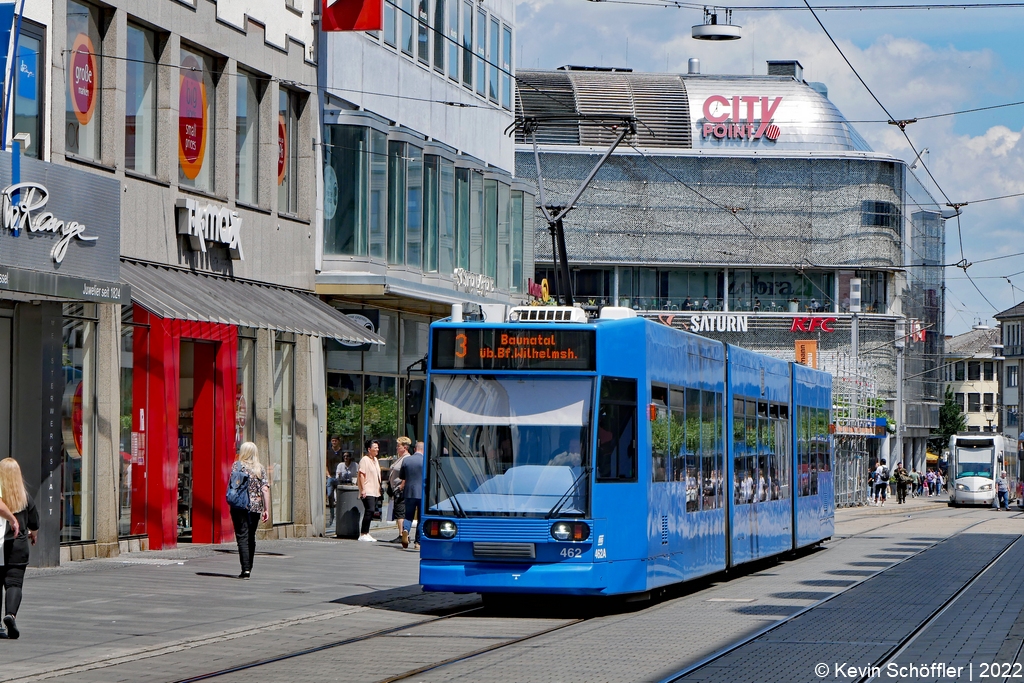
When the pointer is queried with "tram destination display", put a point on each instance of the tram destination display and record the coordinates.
(513, 349)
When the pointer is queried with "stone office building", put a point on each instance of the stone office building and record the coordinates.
(189, 123)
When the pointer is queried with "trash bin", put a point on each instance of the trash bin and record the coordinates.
(348, 511)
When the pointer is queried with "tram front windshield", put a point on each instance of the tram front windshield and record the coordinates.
(974, 459)
(509, 446)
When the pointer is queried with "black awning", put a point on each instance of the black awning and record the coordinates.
(187, 295)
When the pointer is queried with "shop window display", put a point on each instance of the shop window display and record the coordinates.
(77, 423)
(131, 511)
(281, 440)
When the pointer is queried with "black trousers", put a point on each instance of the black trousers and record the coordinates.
(369, 507)
(12, 577)
(245, 535)
(901, 493)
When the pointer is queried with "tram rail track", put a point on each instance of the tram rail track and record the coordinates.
(681, 674)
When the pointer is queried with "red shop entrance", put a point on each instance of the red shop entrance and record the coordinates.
(183, 407)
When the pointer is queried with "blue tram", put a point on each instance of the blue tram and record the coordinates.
(613, 456)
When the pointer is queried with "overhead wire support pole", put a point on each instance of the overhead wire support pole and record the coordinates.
(554, 214)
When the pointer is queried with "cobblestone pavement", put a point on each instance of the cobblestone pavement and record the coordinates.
(169, 616)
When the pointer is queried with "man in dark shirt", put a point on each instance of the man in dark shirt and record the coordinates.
(333, 458)
(411, 476)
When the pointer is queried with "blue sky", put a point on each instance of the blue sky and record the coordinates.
(918, 62)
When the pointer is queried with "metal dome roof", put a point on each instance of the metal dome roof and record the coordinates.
(731, 114)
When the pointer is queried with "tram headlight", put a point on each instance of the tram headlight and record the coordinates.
(570, 532)
(985, 487)
(961, 487)
(440, 528)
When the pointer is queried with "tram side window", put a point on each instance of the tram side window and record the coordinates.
(677, 406)
(616, 431)
(662, 436)
(826, 456)
(739, 450)
(803, 452)
(780, 415)
(693, 444)
(711, 473)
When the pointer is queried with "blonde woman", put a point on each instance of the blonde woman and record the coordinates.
(16, 541)
(246, 520)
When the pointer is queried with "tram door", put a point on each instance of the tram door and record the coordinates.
(619, 501)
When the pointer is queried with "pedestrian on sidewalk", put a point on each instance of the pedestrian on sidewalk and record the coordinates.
(16, 541)
(915, 483)
(1003, 491)
(334, 456)
(882, 482)
(903, 480)
(395, 486)
(248, 470)
(930, 480)
(411, 475)
(369, 481)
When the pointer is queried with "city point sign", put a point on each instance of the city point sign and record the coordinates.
(723, 117)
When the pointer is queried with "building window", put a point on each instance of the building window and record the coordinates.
(959, 399)
(287, 152)
(973, 403)
(140, 102)
(414, 208)
(490, 229)
(879, 214)
(439, 36)
(973, 371)
(247, 138)
(1011, 376)
(431, 211)
(396, 202)
(516, 210)
(467, 44)
(197, 130)
(481, 52)
(423, 31)
(506, 67)
(378, 204)
(28, 89)
(407, 32)
(770, 291)
(453, 39)
(476, 222)
(281, 446)
(503, 251)
(462, 218)
(492, 59)
(346, 196)
(389, 23)
(987, 403)
(1011, 417)
(446, 218)
(988, 368)
(958, 371)
(84, 72)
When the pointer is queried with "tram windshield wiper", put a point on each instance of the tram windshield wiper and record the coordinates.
(436, 462)
(568, 494)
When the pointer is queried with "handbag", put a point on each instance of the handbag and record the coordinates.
(238, 488)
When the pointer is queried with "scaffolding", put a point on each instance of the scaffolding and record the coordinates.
(855, 406)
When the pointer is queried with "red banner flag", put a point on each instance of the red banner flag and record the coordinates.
(352, 15)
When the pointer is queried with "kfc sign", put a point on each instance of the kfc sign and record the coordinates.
(813, 324)
(740, 117)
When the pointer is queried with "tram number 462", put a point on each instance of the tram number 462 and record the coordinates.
(571, 552)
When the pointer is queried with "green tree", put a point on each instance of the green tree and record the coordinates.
(951, 421)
